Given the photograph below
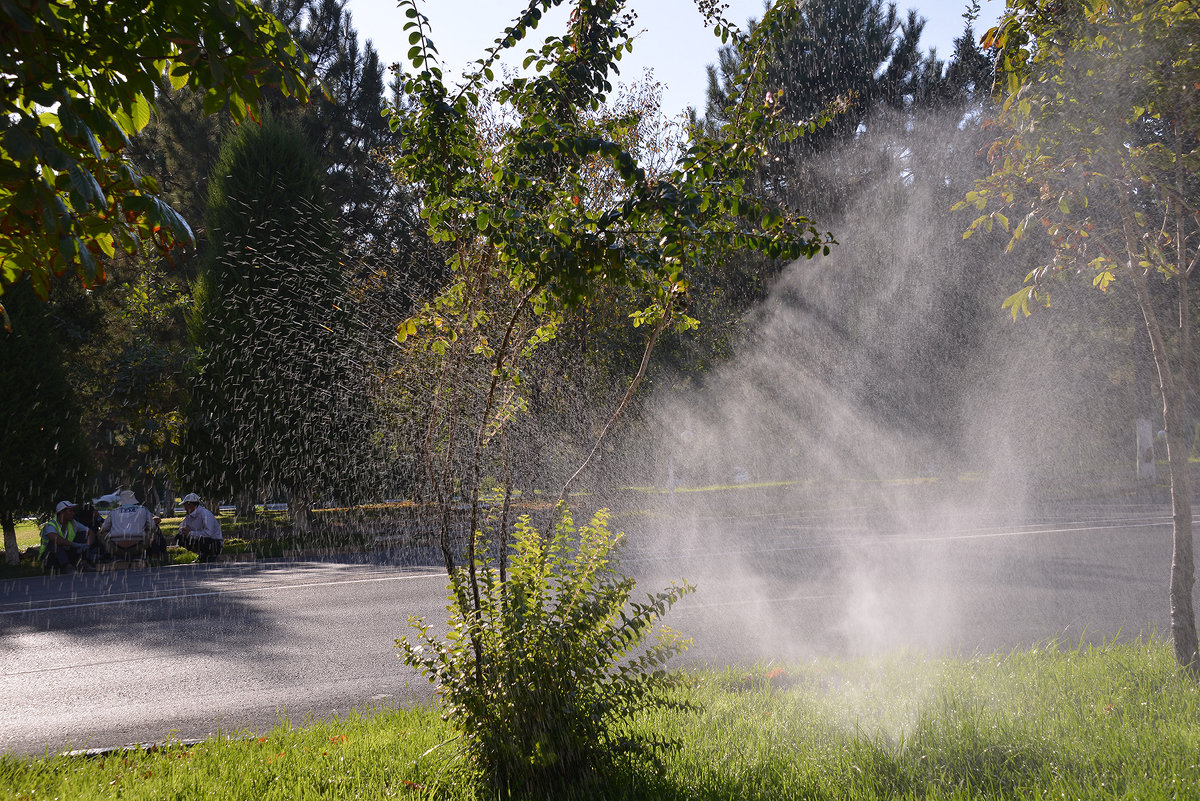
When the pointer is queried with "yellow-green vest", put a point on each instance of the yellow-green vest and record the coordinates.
(69, 536)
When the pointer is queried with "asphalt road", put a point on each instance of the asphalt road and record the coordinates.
(101, 660)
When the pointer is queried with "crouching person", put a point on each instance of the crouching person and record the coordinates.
(129, 529)
(200, 531)
(67, 544)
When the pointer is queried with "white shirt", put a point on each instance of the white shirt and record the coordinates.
(201, 523)
(128, 523)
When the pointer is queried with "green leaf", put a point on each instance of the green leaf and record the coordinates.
(139, 113)
(88, 187)
(18, 143)
(106, 243)
(1018, 302)
(406, 329)
(178, 75)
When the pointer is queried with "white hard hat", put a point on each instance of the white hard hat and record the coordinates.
(191, 497)
(63, 505)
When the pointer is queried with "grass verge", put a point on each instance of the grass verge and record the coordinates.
(1117, 721)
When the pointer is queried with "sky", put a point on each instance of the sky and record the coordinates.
(674, 42)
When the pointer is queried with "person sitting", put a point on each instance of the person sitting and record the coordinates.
(200, 531)
(66, 543)
(129, 529)
(86, 514)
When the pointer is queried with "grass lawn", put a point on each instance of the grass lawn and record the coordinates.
(1108, 722)
(27, 533)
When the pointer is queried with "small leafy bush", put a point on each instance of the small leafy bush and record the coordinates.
(540, 672)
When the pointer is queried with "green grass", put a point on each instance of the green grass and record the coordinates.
(1117, 721)
(27, 533)
(1111, 722)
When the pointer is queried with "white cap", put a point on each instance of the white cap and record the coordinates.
(128, 498)
(191, 497)
(63, 505)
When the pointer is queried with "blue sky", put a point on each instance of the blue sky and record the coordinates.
(674, 43)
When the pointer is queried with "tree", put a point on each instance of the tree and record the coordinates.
(42, 453)
(344, 124)
(852, 56)
(136, 349)
(532, 235)
(128, 368)
(348, 127)
(517, 210)
(269, 407)
(79, 80)
(1098, 148)
(902, 149)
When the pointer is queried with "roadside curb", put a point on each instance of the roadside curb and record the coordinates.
(89, 753)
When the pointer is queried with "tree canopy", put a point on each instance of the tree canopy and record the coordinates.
(1099, 148)
(79, 80)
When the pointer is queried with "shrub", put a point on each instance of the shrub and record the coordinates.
(541, 672)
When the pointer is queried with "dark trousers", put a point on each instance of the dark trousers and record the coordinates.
(204, 547)
(61, 557)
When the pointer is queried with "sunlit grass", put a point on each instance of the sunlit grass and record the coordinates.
(358, 756)
(27, 533)
(1109, 722)
(1117, 721)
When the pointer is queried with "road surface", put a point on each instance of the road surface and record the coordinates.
(102, 660)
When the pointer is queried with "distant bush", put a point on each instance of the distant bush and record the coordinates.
(541, 680)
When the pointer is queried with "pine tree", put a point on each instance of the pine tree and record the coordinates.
(373, 224)
(268, 410)
(849, 57)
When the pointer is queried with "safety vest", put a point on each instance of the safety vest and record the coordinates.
(69, 536)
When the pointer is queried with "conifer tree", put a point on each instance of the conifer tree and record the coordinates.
(845, 56)
(267, 409)
(372, 223)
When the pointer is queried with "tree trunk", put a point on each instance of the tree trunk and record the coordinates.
(243, 503)
(1183, 564)
(300, 506)
(12, 553)
(1183, 567)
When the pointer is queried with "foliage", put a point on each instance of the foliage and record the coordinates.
(344, 126)
(132, 362)
(546, 200)
(529, 201)
(541, 676)
(128, 366)
(268, 407)
(855, 52)
(1097, 169)
(42, 451)
(847, 56)
(532, 233)
(80, 80)
(349, 131)
(1097, 146)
